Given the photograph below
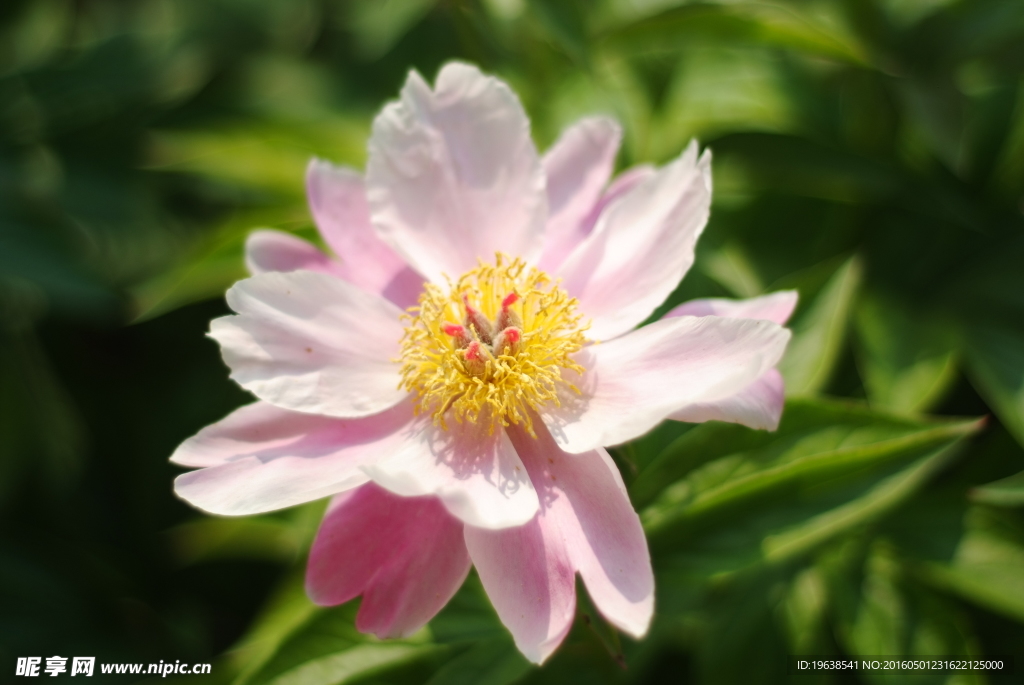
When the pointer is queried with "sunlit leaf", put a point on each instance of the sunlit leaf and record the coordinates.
(1007, 492)
(280, 536)
(715, 90)
(270, 156)
(380, 24)
(252, 537)
(731, 267)
(738, 23)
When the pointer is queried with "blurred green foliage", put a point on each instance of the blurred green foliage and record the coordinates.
(868, 152)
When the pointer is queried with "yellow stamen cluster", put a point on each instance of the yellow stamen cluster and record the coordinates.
(504, 381)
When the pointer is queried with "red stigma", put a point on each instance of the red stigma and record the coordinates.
(473, 351)
(509, 300)
(512, 335)
(453, 329)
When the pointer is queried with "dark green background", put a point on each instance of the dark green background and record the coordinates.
(868, 152)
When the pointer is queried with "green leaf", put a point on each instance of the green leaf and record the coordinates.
(1007, 492)
(809, 427)
(743, 498)
(286, 612)
(881, 610)
(347, 664)
(565, 22)
(878, 500)
(495, 662)
(739, 636)
(995, 356)
(214, 265)
(819, 332)
(906, 360)
(803, 611)
(295, 641)
(245, 538)
(468, 616)
(731, 268)
(325, 648)
(986, 565)
(879, 620)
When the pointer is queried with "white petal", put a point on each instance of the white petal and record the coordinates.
(453, 176)
(577, 167)
(634, 382)
(777, 307)
(261, 458)
(312, 343)
(585, 523)
(585, 504)
(641, 248)
(759, 405)
(621, 185)
(474, 471)
(337, 198)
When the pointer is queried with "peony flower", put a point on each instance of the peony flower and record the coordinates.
(440, 378)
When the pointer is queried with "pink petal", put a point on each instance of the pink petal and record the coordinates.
(453, 176)
(530, 581)
(312, 343)
(262, 458)
(632, 383)
(640, 249)
(267, 250)
(473, 470)
(404, 555)
(577, 167)
(777, 307)
(337, 198)
(587, 524)
(759, 405)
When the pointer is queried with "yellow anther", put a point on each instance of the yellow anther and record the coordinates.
(536, 332)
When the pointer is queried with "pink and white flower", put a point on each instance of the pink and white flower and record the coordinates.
(471, 429)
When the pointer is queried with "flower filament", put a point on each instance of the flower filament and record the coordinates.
(493, 343)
